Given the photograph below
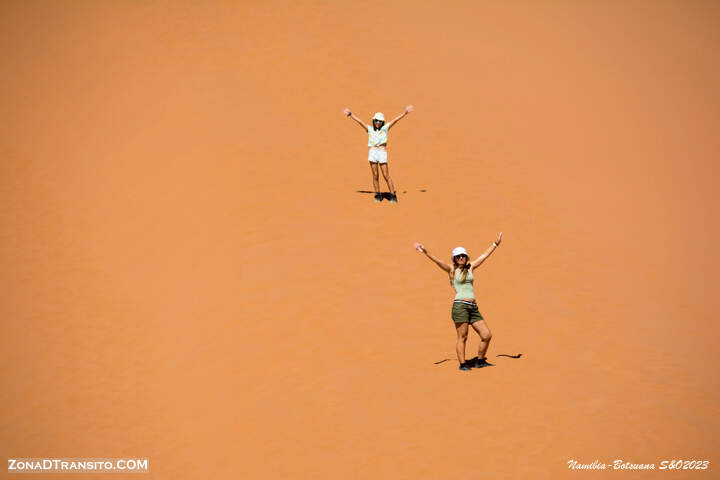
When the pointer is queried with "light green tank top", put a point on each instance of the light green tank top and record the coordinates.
(463, 289)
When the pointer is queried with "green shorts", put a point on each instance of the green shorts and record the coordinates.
(465, 312)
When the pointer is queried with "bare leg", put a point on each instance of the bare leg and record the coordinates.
(376, 181)
(485, 336)
(386, 175)
(462, 334)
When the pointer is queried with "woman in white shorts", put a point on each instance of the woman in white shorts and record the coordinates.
(377, 141)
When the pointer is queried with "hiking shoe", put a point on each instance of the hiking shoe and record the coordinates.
(480, 363)
(465, 366)
(393, 198)
(378, 197)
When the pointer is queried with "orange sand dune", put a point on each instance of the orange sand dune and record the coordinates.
(191, 275)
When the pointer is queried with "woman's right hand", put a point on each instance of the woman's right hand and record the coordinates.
(420, 247)
(347, 112)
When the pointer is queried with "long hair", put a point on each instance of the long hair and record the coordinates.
(382, 123)
(464, 269)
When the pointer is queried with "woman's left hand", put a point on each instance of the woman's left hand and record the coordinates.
(409, 109)
(497, 242)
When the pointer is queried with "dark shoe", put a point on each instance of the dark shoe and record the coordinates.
(378, 197)
(393, 198)
(479, 363)
(465, 366)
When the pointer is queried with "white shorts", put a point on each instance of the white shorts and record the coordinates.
(377, 155)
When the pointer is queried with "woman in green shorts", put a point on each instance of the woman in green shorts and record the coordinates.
(464, 310)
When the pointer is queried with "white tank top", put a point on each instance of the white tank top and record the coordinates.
(377, 137)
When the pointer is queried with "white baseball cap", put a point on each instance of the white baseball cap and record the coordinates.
(379, 116)
(459, 251)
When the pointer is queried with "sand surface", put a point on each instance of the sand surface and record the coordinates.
(190, 273)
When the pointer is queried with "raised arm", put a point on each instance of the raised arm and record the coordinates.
(408, 109)
(348, 113)
(420, 248)
(478, 261)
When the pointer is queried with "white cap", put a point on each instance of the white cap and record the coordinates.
(379, 116)
(459, 251)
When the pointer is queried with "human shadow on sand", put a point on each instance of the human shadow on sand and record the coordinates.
(386, 195)
(472, 359)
